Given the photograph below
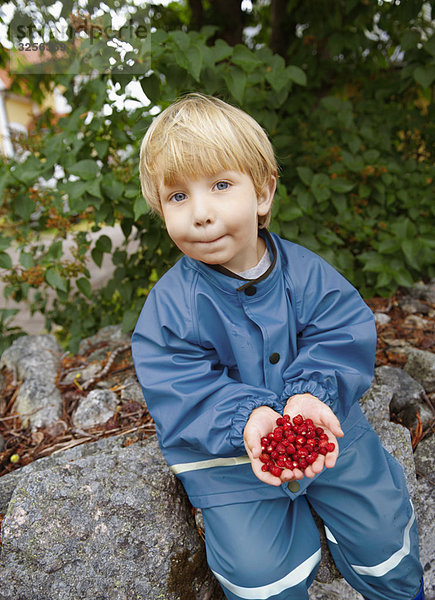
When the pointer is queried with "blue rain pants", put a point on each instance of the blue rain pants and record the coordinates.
(271, 549)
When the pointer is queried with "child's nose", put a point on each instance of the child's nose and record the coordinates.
(203, 213)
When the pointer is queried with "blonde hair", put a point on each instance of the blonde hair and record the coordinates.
(201, 135)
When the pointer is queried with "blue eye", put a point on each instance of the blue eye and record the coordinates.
(222, 185)
(178, 197)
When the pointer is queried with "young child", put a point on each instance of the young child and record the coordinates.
(247, 327)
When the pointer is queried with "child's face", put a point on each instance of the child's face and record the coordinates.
(214, 218)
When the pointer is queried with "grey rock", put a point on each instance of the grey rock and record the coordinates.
(33, 356)
(408, 396)
(38, 402)
(83, 374)
(95, 409)
(336, 590)
(382, 318)
(424, 458)
(104, 446)
(421, 366)
(411, 305)
(111, 337)
(423, 291)
(425, 510)
(112, 526)
(35, 359)
(416, 322)
(132, 391)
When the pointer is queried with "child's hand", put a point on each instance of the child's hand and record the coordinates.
(261, 422)
(312, 408)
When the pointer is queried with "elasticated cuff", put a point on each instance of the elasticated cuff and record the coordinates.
(303, 386)
(244, 412)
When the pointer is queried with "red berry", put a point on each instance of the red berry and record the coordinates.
(298, 420)
(264, 468)
(264, 458)
(276, 471)
(319, 430)
(323, 450)
(300, 439)
(264, 441)
(302, 452)
(286, 418)
(309, 423)
(303, 464)
(330, 447)
(290, 449)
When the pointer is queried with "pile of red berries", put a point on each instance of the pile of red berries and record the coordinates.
(293, 445)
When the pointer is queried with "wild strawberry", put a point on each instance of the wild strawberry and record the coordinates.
(298, 420)
(330, 447)
(276, 471)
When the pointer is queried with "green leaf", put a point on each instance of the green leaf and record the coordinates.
(53, 279)
(104, 243)
(112, 187)
(5, 261)
(151, 87)
(403, 277)
(85, 169)
(140, 207)
(341, 186)
(26, 259)
(305, 175)
(5, 242)
(93, 188)
(129, 320)
(55, 251)
(97, 256)
(236, 79)
(290, 213)
(194, 58)
(221, 50)
(245, 58)
(425, 76)
(24, 207)
(320, 187)
(429, 45)
(84, 286)
(296, 75)
(276, 74)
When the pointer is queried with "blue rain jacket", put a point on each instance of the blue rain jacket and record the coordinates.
(209, 347)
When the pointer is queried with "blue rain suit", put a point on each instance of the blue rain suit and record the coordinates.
(209, 347)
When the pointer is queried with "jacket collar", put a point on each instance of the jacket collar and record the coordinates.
(231, 282)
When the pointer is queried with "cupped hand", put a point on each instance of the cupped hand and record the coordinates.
(261, 422)
(312, 408)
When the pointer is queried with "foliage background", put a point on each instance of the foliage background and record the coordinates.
(344, 88)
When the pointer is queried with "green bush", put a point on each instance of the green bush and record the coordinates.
(356, 169)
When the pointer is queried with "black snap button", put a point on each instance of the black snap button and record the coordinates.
(274, 358)
(251, 290)
(294, 486)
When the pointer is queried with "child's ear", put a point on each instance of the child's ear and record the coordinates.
(265, 199)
